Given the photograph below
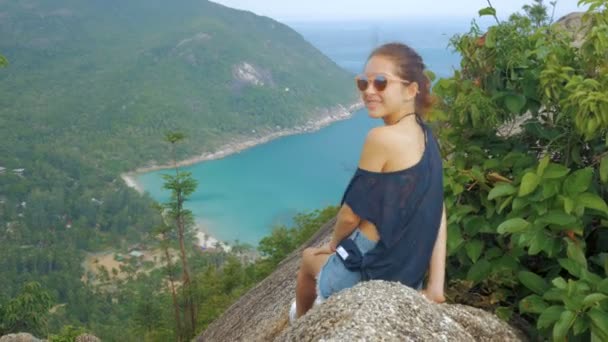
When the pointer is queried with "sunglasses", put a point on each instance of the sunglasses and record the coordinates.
(380, 82)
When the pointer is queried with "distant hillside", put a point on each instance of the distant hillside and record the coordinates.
(90, 90)
(108, 78)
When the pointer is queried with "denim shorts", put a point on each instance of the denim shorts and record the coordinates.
(334, 276)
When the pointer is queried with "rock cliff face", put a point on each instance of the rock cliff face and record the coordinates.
(387, 311)
(25, 337)
(20, 337)
(573, 23)
(370, 311)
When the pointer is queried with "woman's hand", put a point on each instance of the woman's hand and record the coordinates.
(328, 248)
(433, 295)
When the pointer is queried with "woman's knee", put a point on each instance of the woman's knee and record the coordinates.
(307, 253)
(307, 258)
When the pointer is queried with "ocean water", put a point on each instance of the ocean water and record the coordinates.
(243, 196)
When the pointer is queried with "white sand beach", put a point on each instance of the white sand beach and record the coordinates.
(129, 179)
(206, 241)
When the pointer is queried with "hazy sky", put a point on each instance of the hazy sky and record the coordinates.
(286, 10)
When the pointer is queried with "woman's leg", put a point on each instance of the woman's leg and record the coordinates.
(306, 287)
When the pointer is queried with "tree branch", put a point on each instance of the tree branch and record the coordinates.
(494, 15)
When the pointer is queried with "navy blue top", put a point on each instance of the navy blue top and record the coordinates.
(406, 207)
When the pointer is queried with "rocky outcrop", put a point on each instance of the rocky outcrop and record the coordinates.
(573, 23)
(187, 48)
(20, 337)
(25, 337)
(369, 311)
(387, 311)
(87, 338)
(245, 73)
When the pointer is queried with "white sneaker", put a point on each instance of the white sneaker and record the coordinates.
(293, 312)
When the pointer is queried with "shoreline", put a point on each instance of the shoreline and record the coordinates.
(206, 240)
(330, 116)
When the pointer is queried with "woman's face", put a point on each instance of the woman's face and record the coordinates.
(392, 99)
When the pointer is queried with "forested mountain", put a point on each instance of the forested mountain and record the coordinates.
(89, 92)
(104, 79)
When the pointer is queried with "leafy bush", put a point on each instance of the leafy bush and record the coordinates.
(28, 311)
(523, 128)
(68, 333)
(283, 240)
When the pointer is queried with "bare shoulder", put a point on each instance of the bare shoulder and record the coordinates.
(374, 154)
(378, 137)
(384, 138)
(390, 148)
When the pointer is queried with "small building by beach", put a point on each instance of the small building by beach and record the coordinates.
(96, 201)
(136, 254)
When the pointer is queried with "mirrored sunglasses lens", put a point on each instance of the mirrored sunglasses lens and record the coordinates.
(380, 83)
(362, 84)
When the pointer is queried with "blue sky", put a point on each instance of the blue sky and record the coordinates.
(311, 10)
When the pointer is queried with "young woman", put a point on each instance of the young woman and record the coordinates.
(392, 223)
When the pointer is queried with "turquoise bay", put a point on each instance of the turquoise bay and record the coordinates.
(243, 196)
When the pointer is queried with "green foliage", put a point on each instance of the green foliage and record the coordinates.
(79, 81)
(28, 311)
(182, 185)
(284, 240)
(68, 333)
(141, 308)
(527, 205)
(174, 137)
(537, 12)
(487, 11)
(84, 101)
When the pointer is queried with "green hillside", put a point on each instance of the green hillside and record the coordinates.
(90, 91)
(108, 78)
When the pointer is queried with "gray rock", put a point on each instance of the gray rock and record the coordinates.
(482, 325)
(387, 311)
(25, 337)
(87, 338)
(20, 337)
(573, 23)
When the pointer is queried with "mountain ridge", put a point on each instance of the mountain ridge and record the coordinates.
(129, 72)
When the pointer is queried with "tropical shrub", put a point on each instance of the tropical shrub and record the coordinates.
(523, 127)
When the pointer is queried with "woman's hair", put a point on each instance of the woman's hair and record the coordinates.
(410, 67)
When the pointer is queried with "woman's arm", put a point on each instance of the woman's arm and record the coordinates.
(346, 222)
(373, 158)
(434, 287)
